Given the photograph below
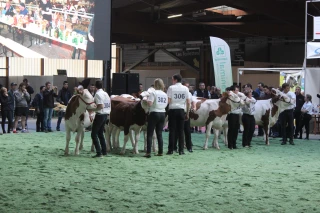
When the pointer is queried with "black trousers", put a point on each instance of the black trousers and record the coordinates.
(176, 126)
(287, 119)
(6, 114)
(97, 133)
(155, 122)
(297, 117)
(249, 123)
(39, 123)
(233, 125)
(187, 136)
(305, 122)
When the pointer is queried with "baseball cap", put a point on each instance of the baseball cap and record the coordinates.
(13, 84)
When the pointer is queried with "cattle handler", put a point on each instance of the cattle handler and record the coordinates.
(179, 101)
(102, 100)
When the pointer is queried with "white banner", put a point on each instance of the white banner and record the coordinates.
(316, 27)
(313, 50)
(222, 63)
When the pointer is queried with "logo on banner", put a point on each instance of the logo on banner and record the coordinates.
(220, 51)
(317, 51)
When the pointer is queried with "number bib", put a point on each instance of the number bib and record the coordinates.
(179, 95)
(107, 105)
(162, 100)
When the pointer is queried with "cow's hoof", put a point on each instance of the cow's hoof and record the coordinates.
(216, 147)
(205, 148)
(268, 144)
(135, 152)
(66, 154)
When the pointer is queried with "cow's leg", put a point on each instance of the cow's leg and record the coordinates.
(68, 137)
(126, 137)
(131, 138)
(216, 135)
(79, 132)
(208, 132)
(266, 132)
(117, 135)
(81, 139)
(107, 136)
(137, 136)
(225, 134)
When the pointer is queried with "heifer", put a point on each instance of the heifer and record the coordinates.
(77, 106)
(213, 113)
(129, 115)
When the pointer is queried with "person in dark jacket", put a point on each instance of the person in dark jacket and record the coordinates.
(300, 100)
(7, 102)
(48, 104)
(37, 103)
(63, 98)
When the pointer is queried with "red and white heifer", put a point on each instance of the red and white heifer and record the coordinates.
(128, 115)
(75, 117)
(213, 113)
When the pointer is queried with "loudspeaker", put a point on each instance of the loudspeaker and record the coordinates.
(132, 83)
(119, 83)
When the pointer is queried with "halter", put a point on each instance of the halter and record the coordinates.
(85, 101)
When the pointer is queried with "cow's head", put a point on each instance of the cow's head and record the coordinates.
(144, 97)
(234, 100)
(88, 99)
(281, 95)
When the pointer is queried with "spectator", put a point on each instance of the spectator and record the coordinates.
(21, 107)
(75, 90)
(201, 93)
(267, 92)
(92, 90)
(63, 98)
(48, 104)
(11, 91)
(259, 90)
(140, 89)
(306, 111)
(37, 103)
(300, 100)
(30, 91)
(6, 101)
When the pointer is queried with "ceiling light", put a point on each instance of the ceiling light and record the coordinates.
(239, 17)
(175, 16)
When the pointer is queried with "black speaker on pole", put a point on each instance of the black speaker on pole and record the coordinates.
(119, 83)
(133, 83)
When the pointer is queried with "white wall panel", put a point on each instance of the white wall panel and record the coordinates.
(3, 65)
(95, 69)
(24, 66)
(75, 68)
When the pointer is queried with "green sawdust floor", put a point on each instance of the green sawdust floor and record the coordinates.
(36, 177)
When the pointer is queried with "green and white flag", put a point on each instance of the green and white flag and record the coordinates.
(221, 63)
